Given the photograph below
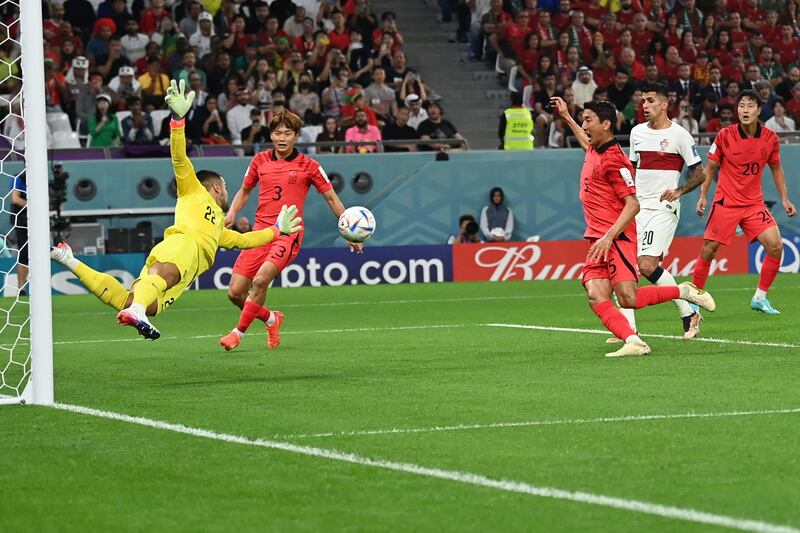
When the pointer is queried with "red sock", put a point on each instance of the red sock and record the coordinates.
(250, 312)
(656, 294)
(613, 320)
(700, 274)
(768, 272)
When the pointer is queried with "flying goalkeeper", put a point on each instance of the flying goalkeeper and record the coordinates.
(189, 245)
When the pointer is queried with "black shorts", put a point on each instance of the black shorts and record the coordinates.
(22, 244)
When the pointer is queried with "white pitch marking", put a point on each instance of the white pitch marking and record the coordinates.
(536, 423)
(306, 332)
(666, 511)
(654, 335)
(402, 302)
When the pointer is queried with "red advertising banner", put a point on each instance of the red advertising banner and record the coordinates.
(564, 259)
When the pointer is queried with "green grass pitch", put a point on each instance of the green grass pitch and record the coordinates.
(357, 359)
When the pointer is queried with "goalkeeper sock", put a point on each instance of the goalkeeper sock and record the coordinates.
(613, 320)
(653, 295)
(148, 289)
(700, 274)
(104, 286)
(769, 270)
(250, 312)
(662, 278)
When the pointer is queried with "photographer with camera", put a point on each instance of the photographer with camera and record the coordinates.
(467, 231)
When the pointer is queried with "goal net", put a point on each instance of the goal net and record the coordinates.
(25, 320)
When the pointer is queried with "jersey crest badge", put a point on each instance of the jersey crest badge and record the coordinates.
(293, 177)
(664, 144)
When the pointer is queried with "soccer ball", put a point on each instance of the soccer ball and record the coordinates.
(357, 224)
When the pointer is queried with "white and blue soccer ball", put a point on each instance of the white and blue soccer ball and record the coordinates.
(357, 224)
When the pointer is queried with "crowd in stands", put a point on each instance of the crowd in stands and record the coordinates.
(705, 51)
(335, 63)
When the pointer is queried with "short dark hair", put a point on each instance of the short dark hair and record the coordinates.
(749, 93)
(604, 111)
(208, 178)
(132, 100)
(723, 107)
(658, 88)
(516, 98)
(465, 218)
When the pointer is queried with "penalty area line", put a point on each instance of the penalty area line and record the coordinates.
(654, 335)
(666, 511)
(537, 423)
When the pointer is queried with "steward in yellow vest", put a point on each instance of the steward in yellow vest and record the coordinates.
(516, 126)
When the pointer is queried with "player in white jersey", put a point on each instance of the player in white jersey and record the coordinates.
(659, 149)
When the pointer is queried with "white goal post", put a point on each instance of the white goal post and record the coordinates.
(26, 357)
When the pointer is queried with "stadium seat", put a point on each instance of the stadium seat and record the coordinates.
(58, 122)
(158, 116)
(122, 115)
(66, 139)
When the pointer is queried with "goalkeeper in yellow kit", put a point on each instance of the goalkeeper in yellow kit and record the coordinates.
(189, 245)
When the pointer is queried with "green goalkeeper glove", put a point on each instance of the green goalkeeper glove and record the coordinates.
(175, 99)
(288, 222)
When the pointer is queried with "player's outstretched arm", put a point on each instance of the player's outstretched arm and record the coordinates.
(180, 104)
(563, 112)
(287, 223)
(337, 207)
(780, 183)
(711, 171)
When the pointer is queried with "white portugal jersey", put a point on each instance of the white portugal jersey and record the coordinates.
(659, 156)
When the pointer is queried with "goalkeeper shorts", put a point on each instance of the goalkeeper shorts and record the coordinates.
(183, 252)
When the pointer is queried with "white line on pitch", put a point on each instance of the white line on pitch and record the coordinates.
(306, 332)
(535, 423)
(654, 335)
(666, 511)
(409, 301)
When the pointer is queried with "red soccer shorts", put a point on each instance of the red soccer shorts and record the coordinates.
(620, 266)
(280, 252)
(722, 222)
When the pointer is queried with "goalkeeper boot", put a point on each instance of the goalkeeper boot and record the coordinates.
(693, 295)
(631, 348)
(691, 325)
(231, 340)
(274, 331)
(763, 306)
(132, 316)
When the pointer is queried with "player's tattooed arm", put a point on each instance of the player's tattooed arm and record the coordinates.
(711, 171)
(697, 176)
(780, 183)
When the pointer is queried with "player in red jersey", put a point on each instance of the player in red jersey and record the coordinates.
(282, 175)
(741, 152)
(608, 195)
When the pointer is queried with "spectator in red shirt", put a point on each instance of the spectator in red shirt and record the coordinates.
(148, 21)
(628, 60)
(641, 35)
(65, 34)
(563, 17)
(793, 105)
(514, 36)
(528, 64)
(625, 41)
(688, 50)
(52, 25)
(605, 75)
(594, 14)
(580, 36)
(740, 37)
(690, 17)
(357, 103)
(672, 33)
(627, 9)
(673, 61)
(388, 25)
(548, 34)
(339, 37)
(788, 46)
(752, 15)
(736, 68)
(723, 120)
(494, 24)
(722, 48)
(268, 37)
(609, 30)
(770, 27)
(731, 93)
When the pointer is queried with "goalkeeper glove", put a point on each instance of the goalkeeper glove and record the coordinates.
(175, 99)
(288, 222)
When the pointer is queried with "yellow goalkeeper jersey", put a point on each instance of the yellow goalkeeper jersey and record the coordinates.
(197, 214)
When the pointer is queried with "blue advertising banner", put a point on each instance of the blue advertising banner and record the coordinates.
(319, 267)
(791, 254)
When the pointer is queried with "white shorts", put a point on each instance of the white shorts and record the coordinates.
(655, 229)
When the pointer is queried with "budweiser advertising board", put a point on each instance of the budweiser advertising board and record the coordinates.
(564, 259)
